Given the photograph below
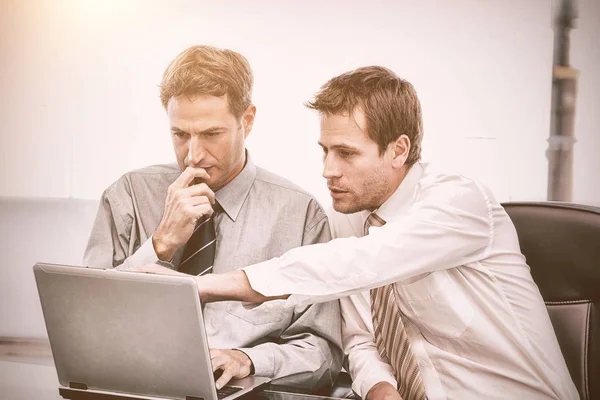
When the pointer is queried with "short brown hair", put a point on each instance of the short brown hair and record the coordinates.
(390, 105)
(208, 70)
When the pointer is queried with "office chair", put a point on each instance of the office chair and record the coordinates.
(561, 242)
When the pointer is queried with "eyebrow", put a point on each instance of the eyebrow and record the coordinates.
(212, 129)
(339, 147)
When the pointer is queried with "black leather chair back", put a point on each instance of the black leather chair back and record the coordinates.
(561, 242)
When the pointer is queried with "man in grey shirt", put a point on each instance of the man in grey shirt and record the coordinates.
(149, 216)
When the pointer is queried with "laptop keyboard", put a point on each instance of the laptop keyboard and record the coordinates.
(227, 391)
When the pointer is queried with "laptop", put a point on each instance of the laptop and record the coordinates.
(129, 335)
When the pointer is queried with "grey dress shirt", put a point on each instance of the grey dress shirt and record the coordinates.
(263, 216)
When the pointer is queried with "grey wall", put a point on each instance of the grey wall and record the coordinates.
(32, 230)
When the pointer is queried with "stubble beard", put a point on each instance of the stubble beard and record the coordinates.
(370, 195)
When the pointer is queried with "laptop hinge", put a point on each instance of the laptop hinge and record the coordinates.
(77, 385)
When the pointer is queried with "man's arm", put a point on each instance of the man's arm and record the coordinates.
(115, 234)
(113, 241)
(308, 352)
(450, 226)
(109, 241)
(309, 349)
(365, 365)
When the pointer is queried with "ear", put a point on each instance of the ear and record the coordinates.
(400, 151)
(248, 119)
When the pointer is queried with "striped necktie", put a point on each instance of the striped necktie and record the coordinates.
(199, 251)
(390, 336)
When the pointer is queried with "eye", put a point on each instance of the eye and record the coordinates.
(346, 153)
(180, 134)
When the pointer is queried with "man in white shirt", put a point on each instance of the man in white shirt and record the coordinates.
(441, 302)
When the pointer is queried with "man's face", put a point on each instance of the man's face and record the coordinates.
(358, 177)
(207, 135)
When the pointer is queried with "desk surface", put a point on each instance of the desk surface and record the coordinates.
(25, 381)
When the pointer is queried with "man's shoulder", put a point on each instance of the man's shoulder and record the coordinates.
(154, 170)
(151, 178)
(447, 180)
(270, 181)
(453, 189)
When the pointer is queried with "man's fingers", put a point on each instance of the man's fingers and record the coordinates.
(193, 212)
(191, 202)
(199, 190)
(201, 210)
(188, 175)
(218, 363)
(225, 377)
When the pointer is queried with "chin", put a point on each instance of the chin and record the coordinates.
(345, 208)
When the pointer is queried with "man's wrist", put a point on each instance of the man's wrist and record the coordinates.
(251, 364)
(163, 251)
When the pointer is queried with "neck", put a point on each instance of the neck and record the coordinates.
(395, 184)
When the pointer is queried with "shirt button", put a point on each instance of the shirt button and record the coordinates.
(422, 364)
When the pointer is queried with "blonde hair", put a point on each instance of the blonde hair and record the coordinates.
(390, 105)
(211, 71)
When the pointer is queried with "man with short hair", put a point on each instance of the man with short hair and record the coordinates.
(442, 304)
(216, 211)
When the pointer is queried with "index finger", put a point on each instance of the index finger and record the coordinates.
(188, 175)
(224, 379)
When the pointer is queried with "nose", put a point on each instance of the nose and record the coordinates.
(196, 151)
(331, 168)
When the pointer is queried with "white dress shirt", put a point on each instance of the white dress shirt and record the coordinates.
(476, 321)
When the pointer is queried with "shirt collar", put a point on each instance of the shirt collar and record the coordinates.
(232, 196)
(403, 197)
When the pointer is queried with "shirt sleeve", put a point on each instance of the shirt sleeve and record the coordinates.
(110, 242)
(449, 225)
(309, 351)
(365, 365)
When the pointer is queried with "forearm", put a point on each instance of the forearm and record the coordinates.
(112, 236)
(431, 238)
(109, 237)
(232, 286)
(367, 370)
(309, 351)
(144, 255)
(365, 365)
(308, 363)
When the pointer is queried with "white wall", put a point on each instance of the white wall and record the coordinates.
(79, 99)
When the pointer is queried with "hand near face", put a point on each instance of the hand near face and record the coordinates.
(234, 364)
(383, 391)
(185, 204)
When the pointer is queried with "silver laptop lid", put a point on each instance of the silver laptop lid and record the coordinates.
(126, 332)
